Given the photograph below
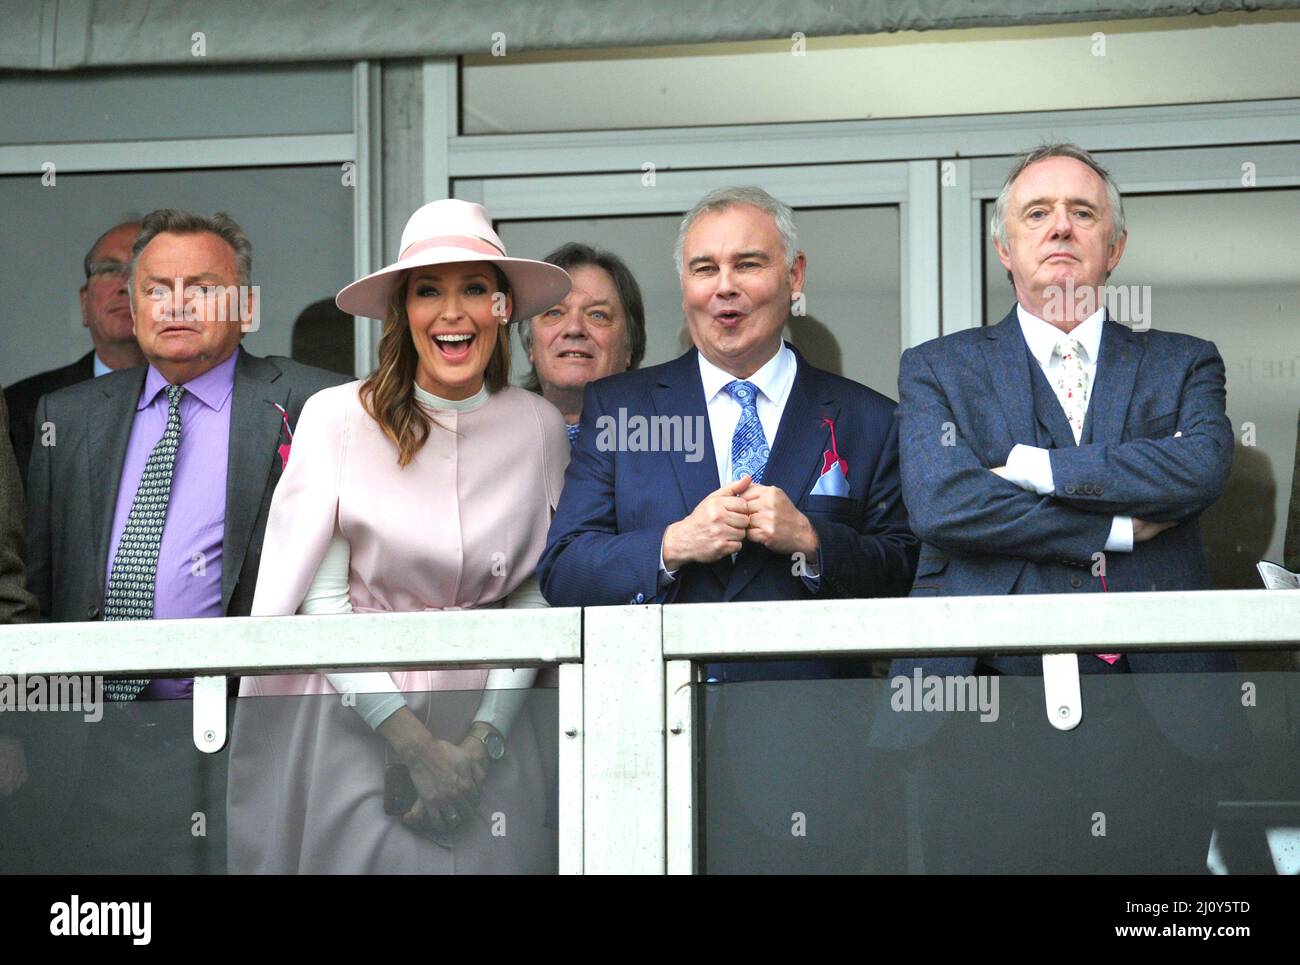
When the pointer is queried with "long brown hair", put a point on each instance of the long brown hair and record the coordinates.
(388, 394)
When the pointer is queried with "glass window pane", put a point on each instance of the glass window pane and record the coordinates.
(852, 323)
(1168, 774)
(299, 220)
(112, 105)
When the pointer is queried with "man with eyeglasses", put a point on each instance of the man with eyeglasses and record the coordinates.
(106, 311)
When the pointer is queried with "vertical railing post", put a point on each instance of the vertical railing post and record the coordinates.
(679, 697)
(623, 740)
(572, 737)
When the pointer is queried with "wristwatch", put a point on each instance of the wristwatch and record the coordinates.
(491, 738)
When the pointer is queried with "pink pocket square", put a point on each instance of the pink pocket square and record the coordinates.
(834, 477)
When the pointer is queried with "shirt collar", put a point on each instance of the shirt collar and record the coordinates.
(1041, 336)
(772, 380)
(100, 366)
(213, 388)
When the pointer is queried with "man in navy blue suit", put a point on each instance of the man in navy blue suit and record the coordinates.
(740, 472)
(1061, 452)
(737, 471)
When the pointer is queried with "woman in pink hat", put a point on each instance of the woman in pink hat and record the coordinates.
(427, 486)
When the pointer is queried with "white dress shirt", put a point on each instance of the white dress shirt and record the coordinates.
(773, 380)
(1030, 467)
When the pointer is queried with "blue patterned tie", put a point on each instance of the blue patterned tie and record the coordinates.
(749, 448)
(572, 429)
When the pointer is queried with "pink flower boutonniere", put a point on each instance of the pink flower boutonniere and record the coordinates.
(284, 447)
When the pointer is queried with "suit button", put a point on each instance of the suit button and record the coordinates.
(1100, 490)
(639, 598)
(92, 613)
(1069, 490)
(1076, 582)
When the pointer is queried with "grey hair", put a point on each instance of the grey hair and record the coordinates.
(89, 260)
(998, 219)
(725, 198)
(184, 222)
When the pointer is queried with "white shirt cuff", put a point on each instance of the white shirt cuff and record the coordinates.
(1030, 467)
(1121, 535)
(665, 575)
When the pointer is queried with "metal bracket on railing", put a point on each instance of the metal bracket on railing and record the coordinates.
(209, 713)
(1061, 690)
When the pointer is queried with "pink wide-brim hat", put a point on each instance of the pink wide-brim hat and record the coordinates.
(449, 231)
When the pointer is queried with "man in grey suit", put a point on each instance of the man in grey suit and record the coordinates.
(149, 491)
(1061, 452)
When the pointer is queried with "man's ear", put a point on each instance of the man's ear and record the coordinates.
(1115, 252)
(248, 317)
(81, 296)
(797, 272)
(1004, 254)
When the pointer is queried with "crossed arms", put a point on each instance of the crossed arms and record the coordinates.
(956, 503)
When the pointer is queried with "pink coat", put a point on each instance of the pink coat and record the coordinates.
(460, 527)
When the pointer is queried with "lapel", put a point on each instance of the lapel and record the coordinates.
(106, 441)
(1112, 391)
(255, 433)
(796, 458)
(1007, 358)
(681, 393)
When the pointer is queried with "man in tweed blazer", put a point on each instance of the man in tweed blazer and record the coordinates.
(1061, 452)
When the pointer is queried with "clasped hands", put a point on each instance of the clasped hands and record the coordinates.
(447, 777)
(738, 511)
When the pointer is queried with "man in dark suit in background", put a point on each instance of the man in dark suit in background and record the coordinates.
(1061, 452)
(780, 484)
(151, 502)
(106, 312)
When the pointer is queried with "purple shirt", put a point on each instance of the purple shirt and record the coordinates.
(189, 561)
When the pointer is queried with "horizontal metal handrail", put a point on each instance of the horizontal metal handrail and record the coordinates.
(1053, 623)
(262, 645)
(1047, 623)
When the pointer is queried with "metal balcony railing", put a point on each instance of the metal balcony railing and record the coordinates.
(628, 733)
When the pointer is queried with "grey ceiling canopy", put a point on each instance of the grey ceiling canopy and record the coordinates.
(73, 34)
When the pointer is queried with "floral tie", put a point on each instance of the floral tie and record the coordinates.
(1071, 384)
